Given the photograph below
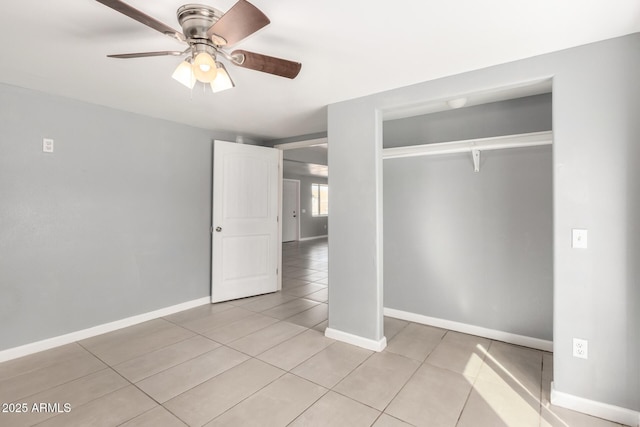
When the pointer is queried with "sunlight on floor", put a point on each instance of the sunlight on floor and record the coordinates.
(511, 395)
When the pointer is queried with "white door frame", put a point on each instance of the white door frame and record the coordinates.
(293, 146)
(297, 205)
(301, 144)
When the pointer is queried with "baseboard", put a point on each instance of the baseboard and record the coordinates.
(471, 329)
(303, 239)
(597, 409)
(367, 343)
(46, 344)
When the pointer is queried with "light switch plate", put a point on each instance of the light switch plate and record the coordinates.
(47, 145)
(579, 238)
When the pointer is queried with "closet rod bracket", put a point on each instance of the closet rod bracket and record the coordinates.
(475, 153)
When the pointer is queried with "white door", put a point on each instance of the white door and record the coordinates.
(246, 246)
(290, 209)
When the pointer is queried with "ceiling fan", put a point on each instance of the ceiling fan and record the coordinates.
(207, 31)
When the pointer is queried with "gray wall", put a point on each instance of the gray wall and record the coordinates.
(596, 185)
(114, 223)
(471, 247)
(514, 116)
(310, 226)
(313, 155)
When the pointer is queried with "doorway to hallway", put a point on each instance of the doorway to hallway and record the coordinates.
(290, 210)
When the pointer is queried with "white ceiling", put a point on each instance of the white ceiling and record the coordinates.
(348, 49)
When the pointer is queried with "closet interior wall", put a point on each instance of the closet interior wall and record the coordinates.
(472, 247)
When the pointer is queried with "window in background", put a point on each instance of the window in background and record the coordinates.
(319, 199)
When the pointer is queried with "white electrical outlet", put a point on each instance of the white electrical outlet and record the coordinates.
(580, 348)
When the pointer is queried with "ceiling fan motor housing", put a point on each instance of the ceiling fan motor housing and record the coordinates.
(196, 19)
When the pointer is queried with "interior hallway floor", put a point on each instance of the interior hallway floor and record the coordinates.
(264, 361)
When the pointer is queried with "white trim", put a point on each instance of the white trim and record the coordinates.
(279, 233)
(301, 144)
(46, 344)
(471, 329)
(378, 261)
(302, 239)
(482, 144)
(367, 343)
(598, 409)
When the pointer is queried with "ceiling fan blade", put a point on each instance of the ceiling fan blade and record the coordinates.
(266, 64)
(143, 18)
(147, 54)
(242, 20)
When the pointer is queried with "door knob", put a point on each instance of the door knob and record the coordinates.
(218, 229)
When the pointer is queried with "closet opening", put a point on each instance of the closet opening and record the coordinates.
(468, 209)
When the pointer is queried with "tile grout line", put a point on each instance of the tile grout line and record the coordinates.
(250, 395)
(475, 379)
(106, 367)
(109, 366)
(269, 348)
(162, 404)
(313, 403)
(412, 374)
(50, 366)
(123, 377)
(113, 366)
(345, 377)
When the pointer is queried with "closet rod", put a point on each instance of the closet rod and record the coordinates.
(470, 145)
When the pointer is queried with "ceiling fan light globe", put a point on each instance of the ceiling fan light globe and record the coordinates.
(204, 67)
(184, 75)
(222, 81)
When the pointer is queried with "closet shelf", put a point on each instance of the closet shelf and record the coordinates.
(471, 145)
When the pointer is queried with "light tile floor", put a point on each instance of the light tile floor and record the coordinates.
(265, 361)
